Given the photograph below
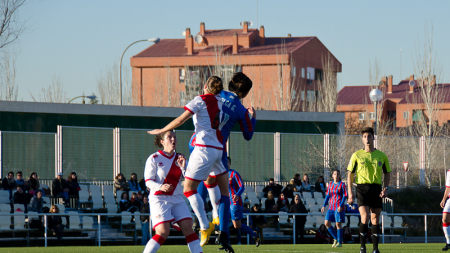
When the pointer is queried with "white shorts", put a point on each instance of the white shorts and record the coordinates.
(162, 211)
(446, 207)
(205, 162)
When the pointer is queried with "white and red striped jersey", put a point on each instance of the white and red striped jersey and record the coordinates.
(447, 181)
(207, 110)
(162, 169)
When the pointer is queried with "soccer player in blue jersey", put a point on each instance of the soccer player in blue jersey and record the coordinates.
(232, 112)
(336, 197)
(236, 206)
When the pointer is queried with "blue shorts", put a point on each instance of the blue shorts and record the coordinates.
(236, 212)
(335, 216)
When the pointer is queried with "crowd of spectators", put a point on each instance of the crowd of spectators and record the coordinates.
(29, 193)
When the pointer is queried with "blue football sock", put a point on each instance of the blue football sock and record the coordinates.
(340, 233)
(332, 232)
(246, 229)
(201, 189)
(224, 213)
(239, 235)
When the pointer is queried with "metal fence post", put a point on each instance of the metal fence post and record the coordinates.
(382, 226)
(422, 160)
(99, 229)
(277, 157)
(45, 229)
(248, 225)
(326, 156)
(426, 237)
(295, 229)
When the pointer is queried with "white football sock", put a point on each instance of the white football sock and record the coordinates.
(154, 244)
(214, 196)
(194, 243)
(199, 208)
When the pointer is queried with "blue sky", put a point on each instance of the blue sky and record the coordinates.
(77, 40)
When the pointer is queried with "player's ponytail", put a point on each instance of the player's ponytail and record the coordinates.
(240, 84)
(159, 138)
(214, 84)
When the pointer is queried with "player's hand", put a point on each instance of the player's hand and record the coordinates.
(252, 111)
(235, 198)
(154, 132)
(166, 188)
(383, 194)
(350, 199)
(339, 209)
(322, 209)
(181, 161)
(443, 203)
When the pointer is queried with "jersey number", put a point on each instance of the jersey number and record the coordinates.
(226, 117)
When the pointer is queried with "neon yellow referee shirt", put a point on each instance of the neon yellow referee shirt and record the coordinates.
(369, 167)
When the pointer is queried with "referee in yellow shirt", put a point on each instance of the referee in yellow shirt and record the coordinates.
(367, 166)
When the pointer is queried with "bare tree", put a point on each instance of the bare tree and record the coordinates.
(8, 87)
(108, 86)
(53, 94)
(428, 99)
(10, 25)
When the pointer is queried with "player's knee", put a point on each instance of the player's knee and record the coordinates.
(327, 223)
(237, 226)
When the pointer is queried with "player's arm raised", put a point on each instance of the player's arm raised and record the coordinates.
(174, 124)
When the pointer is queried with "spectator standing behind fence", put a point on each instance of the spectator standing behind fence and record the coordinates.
(124, 203)
(21, 181)
(37, 203)
(300, 220)
(133, 184)
(282, 203)
(9, 183)
(322, 236)
(55, 222)
(73, 185)
(274, 187)
(120, 183)
(145, 221)
(320, 186)
(60, 188)
(21, 197)
(306, 185)
(33, 181)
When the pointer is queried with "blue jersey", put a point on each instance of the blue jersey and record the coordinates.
(236, 186)
(336, 194)
(232, 112)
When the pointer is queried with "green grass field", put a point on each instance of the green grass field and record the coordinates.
(408, 247)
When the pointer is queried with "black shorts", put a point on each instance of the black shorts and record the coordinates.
(369, 195)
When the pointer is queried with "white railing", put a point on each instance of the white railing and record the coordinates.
(99, 215)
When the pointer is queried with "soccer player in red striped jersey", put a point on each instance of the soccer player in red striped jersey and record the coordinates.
(236, 206)
(446, 212)
(163, 172)
(206, 160)
(336, 197)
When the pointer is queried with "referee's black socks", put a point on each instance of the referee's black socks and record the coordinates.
(363, 229)
(375, 236)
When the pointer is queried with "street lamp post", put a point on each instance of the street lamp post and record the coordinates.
(376, 95)
(155, 40)
(91, 97)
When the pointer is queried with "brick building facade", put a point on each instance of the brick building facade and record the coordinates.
(285, 70)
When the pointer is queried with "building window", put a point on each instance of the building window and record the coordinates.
(362, 116)
(372, 115)
(293, 94)
(294, 71)
(182, 75)
(310, 96)
(303, 72)
(303, 95)
(318, 75)
(405, 115)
